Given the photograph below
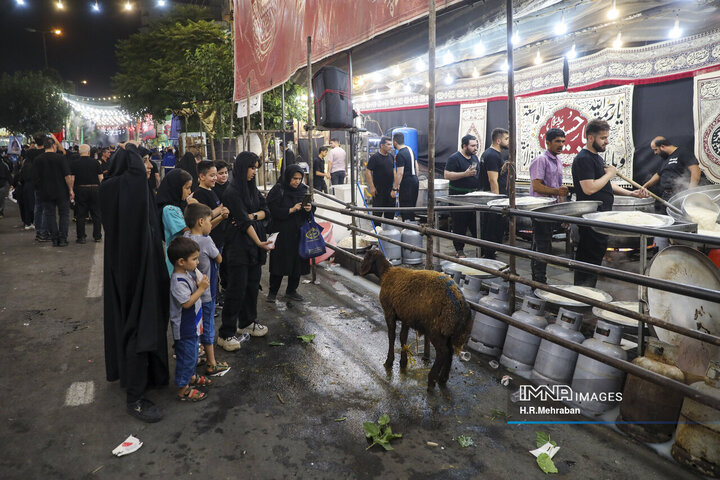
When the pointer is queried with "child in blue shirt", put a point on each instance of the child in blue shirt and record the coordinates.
(186, 288)
(172, 198)
(198, 218)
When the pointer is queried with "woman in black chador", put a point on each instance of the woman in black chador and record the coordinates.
(245, 253)
(288, 215)
(136, 284)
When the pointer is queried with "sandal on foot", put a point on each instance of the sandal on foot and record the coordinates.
(200, 381)
(217, 368)
(192, 395)
(201, 360)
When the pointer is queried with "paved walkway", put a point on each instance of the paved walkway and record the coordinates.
(291, 411)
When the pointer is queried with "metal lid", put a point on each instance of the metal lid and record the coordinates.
(684, 265)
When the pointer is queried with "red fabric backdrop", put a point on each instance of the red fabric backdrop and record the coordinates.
(271, 35)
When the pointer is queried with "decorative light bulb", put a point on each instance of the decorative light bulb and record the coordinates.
(128, 6)
(60, 5)
(676, 31)
(448, 58)
(561, 27)
(419, 65)
(613, 13)
(475, 73)
(161, 3)
(505, 67)
(397, 71)
(407, 88)
(538, 59)
(449, 79)
(516, 36)
(617, 43)
(96, 7)
(479, 49)
(572, 53)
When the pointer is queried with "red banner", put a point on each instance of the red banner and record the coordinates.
(271, 35)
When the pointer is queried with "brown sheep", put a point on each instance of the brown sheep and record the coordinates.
(429, 302)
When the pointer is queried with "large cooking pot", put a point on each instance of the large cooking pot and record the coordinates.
(631, 204)
(676, 200)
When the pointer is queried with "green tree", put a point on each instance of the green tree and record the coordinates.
(152, 63)
(32, 103)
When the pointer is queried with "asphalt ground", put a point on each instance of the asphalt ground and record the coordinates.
(290, 411)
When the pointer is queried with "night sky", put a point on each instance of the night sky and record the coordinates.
(85, 50)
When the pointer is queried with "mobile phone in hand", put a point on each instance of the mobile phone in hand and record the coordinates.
(307, 200)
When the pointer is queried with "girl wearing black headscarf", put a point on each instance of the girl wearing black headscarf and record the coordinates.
(136, 285)
(288, 215)
(171, 199)
(245, 253)
(187, 162)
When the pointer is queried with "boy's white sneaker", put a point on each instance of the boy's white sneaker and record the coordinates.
(229, 344)
(254, 329)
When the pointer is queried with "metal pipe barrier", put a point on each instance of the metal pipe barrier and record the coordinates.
(673, 287)
(623, 365)
(696, 334)
(506, 211)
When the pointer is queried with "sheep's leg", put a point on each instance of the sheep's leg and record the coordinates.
(446, 365)
(440, 348)
(404, 330)
(426, 350)
(390, 320)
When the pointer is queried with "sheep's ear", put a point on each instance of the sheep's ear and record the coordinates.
(366, 265)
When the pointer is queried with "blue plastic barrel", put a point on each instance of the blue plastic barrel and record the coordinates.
(411, 138)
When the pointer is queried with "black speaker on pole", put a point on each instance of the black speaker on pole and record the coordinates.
(333, 106)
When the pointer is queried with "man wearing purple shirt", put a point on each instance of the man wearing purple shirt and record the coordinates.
(546, 173)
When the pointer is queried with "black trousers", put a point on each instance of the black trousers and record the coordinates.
(408, 194)
(292, 283)
(58, 229)
(240, 307)
(541, 242)
(461, 222)
(87, 200)
(382, 198)
(591, 249)
(26, 202)
(337, 178)
(492, 229)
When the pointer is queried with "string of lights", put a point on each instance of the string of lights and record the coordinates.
(106, 115)
(95, 5)
(473, 44)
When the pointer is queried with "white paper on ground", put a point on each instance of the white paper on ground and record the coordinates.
(130, 445)
(547, 448)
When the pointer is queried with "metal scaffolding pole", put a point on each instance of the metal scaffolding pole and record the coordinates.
(310, 134)
(511, 159)
(431, 136)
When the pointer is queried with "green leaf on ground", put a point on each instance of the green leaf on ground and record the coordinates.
(546, 464)
(276, 344)
(341, 419)
(543, 438)
(465, 441)
(307, 338)
(380, 433)
(498, 413)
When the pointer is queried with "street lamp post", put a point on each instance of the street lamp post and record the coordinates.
(55, 31)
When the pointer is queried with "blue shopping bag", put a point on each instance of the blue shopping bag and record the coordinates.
(312, 243)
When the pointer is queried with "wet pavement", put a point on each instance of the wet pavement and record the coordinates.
(290, 411)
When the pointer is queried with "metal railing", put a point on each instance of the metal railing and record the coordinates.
(627, 367)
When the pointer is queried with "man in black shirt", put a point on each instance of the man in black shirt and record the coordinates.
(380, 177)
(55, 187)
(319, 174)
(462, 170)
(87, 173)
(492, 226)
(591, 178)
(679, 170)
(406, 184)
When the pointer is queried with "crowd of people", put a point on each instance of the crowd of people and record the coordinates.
(177, 247)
